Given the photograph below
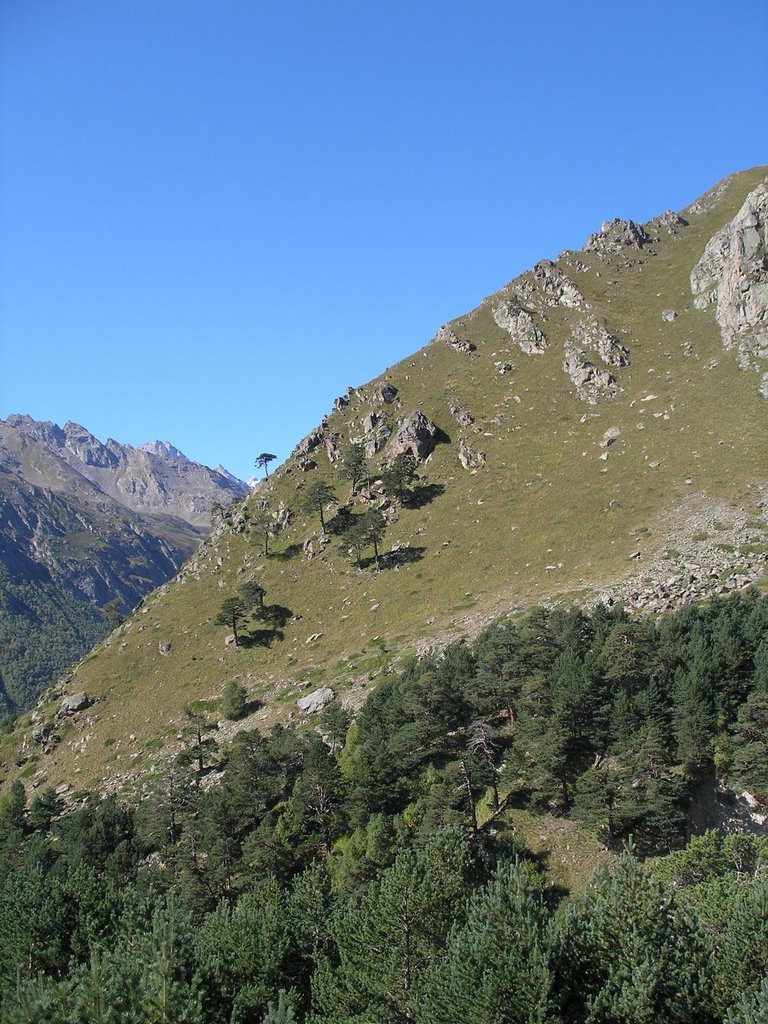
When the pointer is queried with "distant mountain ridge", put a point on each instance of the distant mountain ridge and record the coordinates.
(83, 523)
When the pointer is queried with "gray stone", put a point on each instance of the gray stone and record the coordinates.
(164, 647)
(376, 433)
(588, 332)
(611, 434)
(316, 700)
(462, 416)
(468, 457)
(615, 235)
(668, 315)
(73, 703)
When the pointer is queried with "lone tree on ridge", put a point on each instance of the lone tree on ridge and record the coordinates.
(263, 461)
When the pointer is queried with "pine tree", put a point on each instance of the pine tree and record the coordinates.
(263, 527)
(387, 938)
(233, 701)
(231, 613)
(263, 461)
(353, 464)
(280, 1012)
(624, 953)
(751, 1009)
(242, 954)
(743, 946)
(750, 746)
(495, 967)
(316, 497)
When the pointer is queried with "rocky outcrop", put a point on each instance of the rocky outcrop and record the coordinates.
(385, 393)
(733, 274)
(669, 222)
(332, 447)
(589, 333)
(462, 416)
(591, 382)
(416, 436)
(520, 326)
(73, 703)
(556, 286)
(468, 457)
(447, 335)
(376, 433)
(310, 443)
(616, 235)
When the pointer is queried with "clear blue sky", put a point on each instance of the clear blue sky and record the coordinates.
(216, 215)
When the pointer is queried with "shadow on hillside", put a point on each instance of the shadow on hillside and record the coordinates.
(277, 615)
(274, 618)
(290, 552)
(555, 894)
(260, 638)
(397, 557)
(340, 522)
(423, 495)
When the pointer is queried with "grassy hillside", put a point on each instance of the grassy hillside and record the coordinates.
(551, 515)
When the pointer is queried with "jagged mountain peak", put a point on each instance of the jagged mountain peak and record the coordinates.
(166, 451)
(83, 524)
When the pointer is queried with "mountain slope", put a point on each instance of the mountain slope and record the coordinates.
(598, 430)
(82, 524)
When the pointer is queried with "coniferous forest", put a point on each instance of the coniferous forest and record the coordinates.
(366, 872)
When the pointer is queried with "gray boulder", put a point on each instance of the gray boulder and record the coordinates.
(73, 703)
(387, 393)
(376, 433)
(316, 700)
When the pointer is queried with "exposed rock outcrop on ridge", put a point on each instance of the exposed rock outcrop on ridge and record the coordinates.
(733, 274)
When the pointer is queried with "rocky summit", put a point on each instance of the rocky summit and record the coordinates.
(594, 431)
(85, 525)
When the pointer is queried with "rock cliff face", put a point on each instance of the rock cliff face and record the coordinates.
(733, 274)
(83, 523)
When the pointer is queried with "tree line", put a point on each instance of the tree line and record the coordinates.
(366, 871)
